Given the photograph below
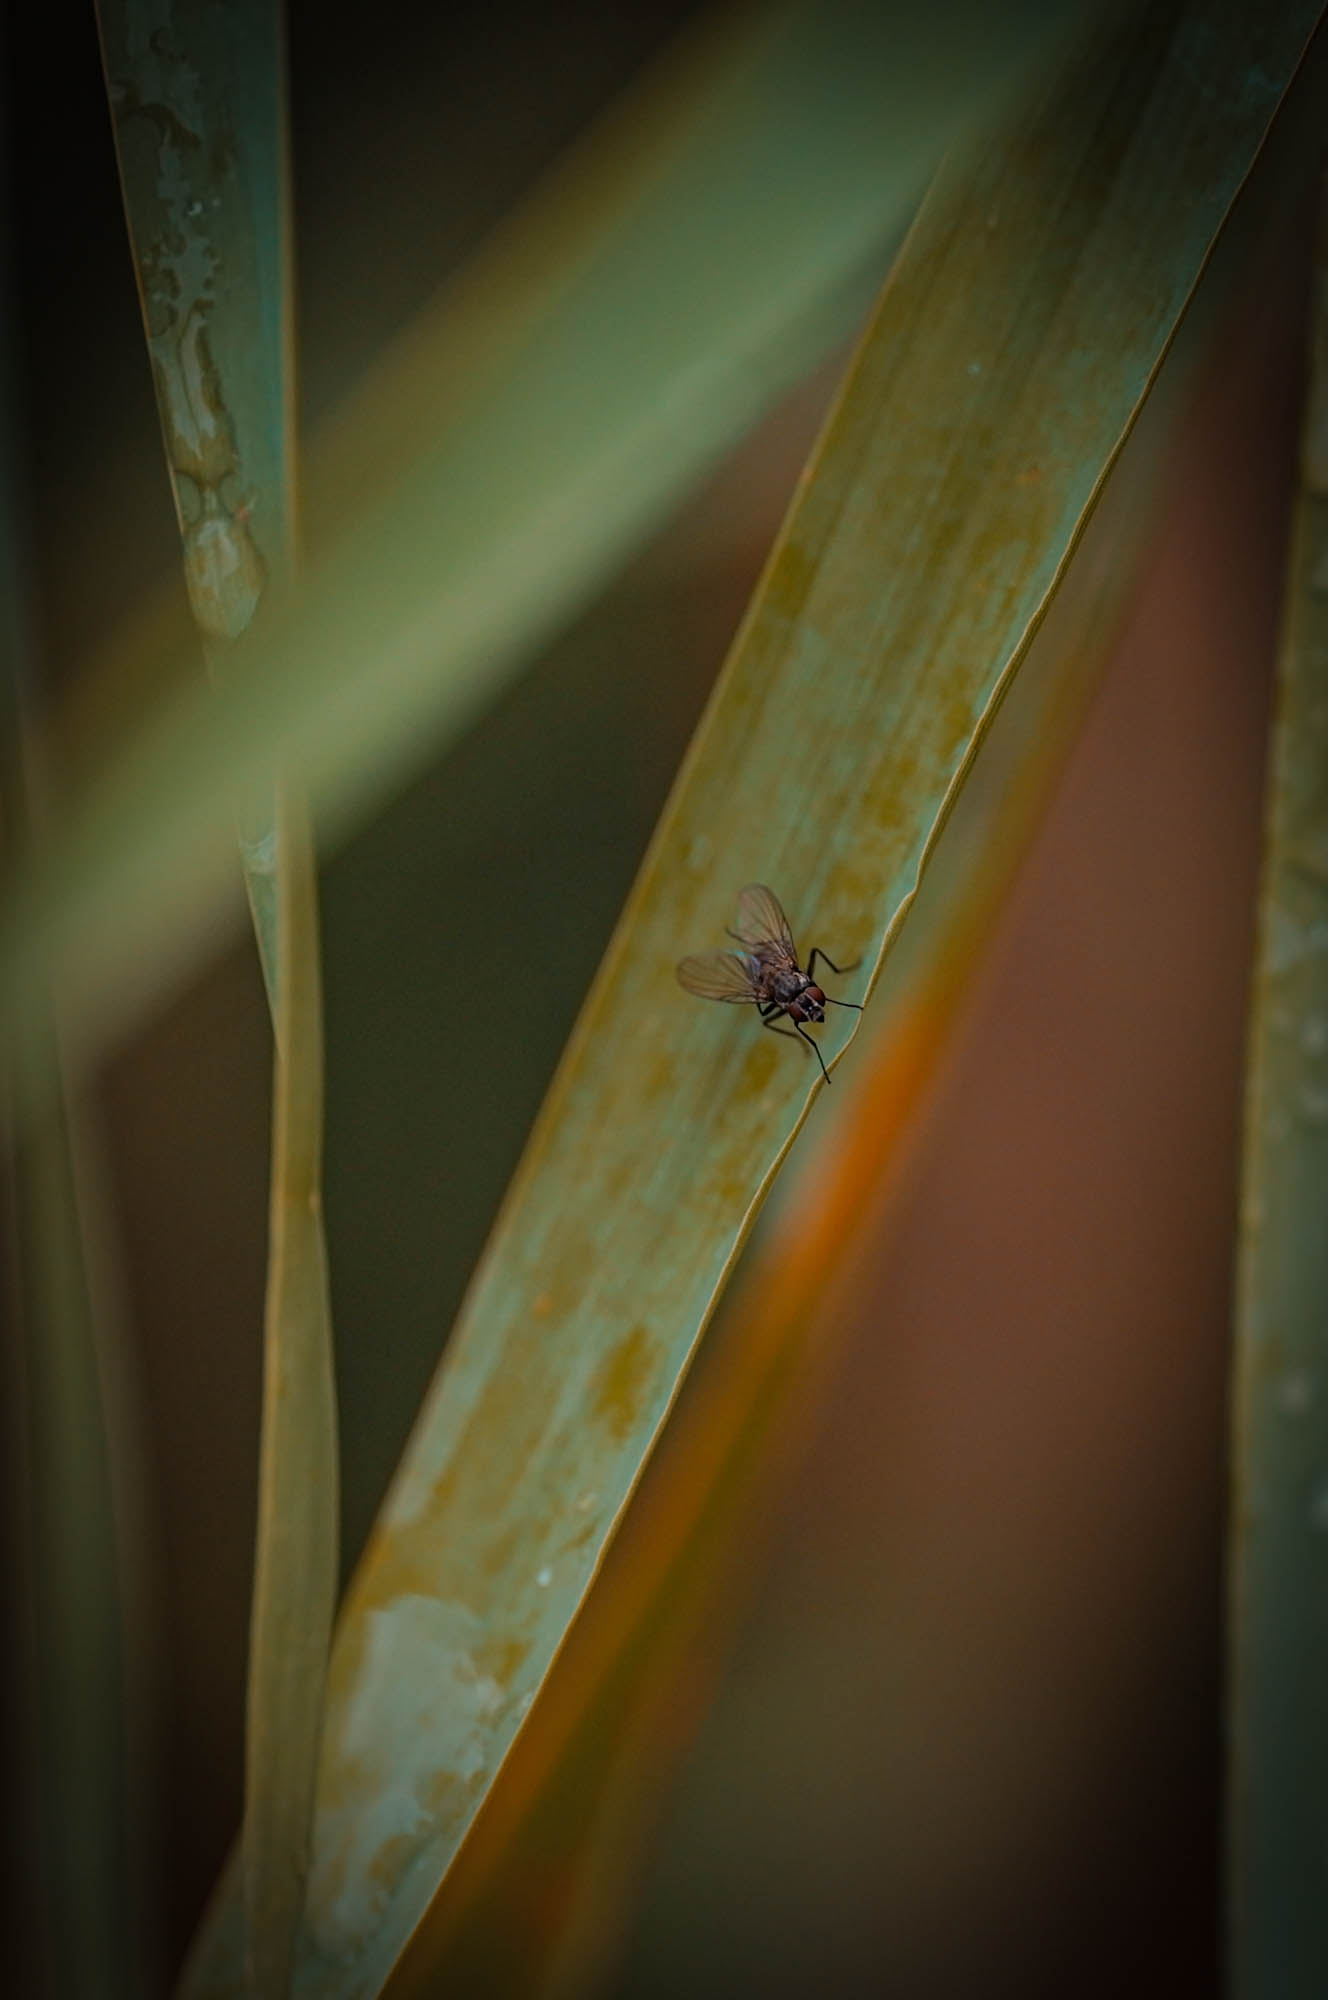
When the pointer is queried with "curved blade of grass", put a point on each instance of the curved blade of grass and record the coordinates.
(1278, 1772)
(1010, 352)
(199, 114)
(68, 1638)
(74, 1827)
(538, 1892)
(525, 441)
(82, 1747)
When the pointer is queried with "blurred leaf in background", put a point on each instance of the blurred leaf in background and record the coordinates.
(515, 449)
(80, 1618)
(1278, 1757)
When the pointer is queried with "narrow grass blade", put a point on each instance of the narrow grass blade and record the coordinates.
(295, 1579)
(82, 1745)
(1278, 1771)
(1011, 350)
(539, 425)
(196, 96)
(198, 106)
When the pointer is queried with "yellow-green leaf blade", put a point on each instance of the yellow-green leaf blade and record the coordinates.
(1013, 345)
(548, 1870)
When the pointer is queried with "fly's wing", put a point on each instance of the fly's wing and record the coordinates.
(762, 923)
(717, 975)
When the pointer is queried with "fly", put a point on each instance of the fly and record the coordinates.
(766, 972)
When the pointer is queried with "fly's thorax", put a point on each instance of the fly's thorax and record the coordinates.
(784, 983)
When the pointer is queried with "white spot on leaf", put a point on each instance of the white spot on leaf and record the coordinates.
(402, 1757)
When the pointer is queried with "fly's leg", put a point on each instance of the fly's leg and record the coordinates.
(796, 1030)
(840, 969)
(814, 1049)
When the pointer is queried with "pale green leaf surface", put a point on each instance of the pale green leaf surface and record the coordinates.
(1014, 342)
(1278, 1792)
(199, 114)
(512, 454)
